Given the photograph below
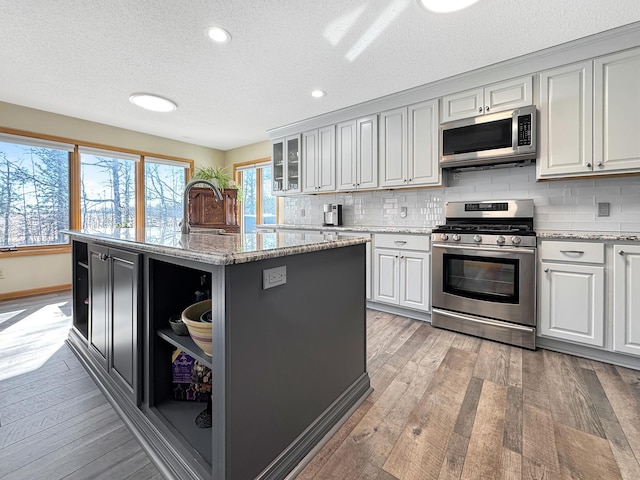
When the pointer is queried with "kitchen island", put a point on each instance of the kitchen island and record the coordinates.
(288, 349)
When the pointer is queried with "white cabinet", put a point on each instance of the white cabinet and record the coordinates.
(402, 270)
(319, 160)
(285, 160)
(616, 144)
(572, 288)
(357, 154)
(565, 113)
(497, 97)
(626, 299)
(587, 117)
(409, 146)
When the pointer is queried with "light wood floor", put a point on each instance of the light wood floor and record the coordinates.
(445, 405)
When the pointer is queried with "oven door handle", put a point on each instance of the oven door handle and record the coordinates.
(530, 251)
(474, 319)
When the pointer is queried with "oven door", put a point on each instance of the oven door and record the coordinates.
(490, 282)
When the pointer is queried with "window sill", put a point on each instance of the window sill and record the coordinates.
(36, 250)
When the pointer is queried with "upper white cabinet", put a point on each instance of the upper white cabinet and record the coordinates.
(357, 154)
(409, 146)
(626, 299)
(587, 117)
(565, 114)
(285, 160)
(319, 160)
(616, 143)
(497, 97)
(572, 291)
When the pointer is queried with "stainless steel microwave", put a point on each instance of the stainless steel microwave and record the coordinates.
(496, 138)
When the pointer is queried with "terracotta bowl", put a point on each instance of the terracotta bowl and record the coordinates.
(200, 331)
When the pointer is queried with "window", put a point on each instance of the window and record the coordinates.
(107, 189)
(164, 182)
(258, 202)
(34, 191)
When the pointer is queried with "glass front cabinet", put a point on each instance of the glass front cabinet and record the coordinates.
(286, 165)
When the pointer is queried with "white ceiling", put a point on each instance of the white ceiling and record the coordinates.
(83, 58)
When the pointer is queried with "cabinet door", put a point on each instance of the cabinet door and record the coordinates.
(414, 280)
(346, 155)
(99, 302)
(367, 152)
(393, 148)
(422, 152)
(463, 105)
(385, 283)
(617, 103)
(326, 159)
(277, 163)
(572, 303)
(292, 163)
(626, 299)
(310, 161)
(124, 326)
(566, 121)
(509, 94)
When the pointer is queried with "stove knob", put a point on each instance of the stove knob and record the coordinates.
(456, 237)
(444, 237)
(516, 240)
(500, 240)
(477, 238)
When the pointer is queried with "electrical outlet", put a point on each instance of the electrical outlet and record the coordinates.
(272, 277)
(1, 275)
(403, 212)
(603, 209)
(302, 212)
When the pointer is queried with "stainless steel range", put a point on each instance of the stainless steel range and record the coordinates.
(484, 271)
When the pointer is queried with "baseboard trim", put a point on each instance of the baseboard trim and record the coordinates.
(396, 310)
(34, 291)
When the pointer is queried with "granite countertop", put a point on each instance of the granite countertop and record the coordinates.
(599, 236)
(208, 246)
(351, 228)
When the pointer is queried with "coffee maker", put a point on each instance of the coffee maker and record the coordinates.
(332, 214)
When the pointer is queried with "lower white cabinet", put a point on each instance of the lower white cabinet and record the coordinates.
(626, 299)
(401, 274)
(572, 288)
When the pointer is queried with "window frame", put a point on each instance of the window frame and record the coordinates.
(75, 220)
(238, 168)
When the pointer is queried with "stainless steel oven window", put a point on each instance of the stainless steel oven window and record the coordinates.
(482, 278)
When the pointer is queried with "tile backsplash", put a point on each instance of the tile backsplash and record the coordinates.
(560, 205)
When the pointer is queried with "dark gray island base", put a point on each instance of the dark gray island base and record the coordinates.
(288, 364)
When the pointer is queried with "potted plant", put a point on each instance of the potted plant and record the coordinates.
(220, 176)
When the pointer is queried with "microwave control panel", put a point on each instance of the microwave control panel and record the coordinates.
(524, 130)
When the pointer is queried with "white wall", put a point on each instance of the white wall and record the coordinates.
(42, 271)
(559, 205)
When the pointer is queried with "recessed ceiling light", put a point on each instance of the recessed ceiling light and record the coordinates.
(152, 102)
(318, 93)
(445, 6)
(218, 34)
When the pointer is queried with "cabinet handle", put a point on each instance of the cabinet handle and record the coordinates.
(480, 110)
(401, 256)
(487, 109)
(621, 252)
(573, 252)
(588, 165)
(103, 257)
(546, 270)
(399, 242)
(405, 180)
(600, 164)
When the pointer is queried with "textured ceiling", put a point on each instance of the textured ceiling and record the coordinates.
(83, 58)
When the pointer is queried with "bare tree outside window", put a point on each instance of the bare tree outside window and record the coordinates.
(164, 185)
(34, 195)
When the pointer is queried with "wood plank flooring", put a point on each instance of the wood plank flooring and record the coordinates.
(445, 406)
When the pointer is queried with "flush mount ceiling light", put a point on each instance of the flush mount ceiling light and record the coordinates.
(445, 6)
(318, 93)
(218, 34)
(152, 102)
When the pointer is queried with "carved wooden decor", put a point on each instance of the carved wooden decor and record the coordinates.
(206, 212)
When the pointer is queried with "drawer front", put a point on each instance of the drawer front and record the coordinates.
(396, 240)
(574, 252)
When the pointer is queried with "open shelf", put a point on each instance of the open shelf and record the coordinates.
(180, 417)
(81, 288)
(186, 344)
